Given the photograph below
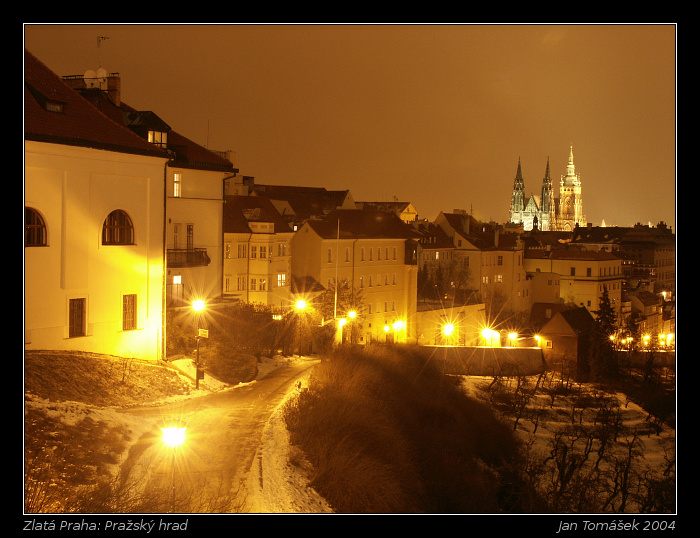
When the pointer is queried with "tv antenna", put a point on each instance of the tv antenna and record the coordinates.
(100, 39)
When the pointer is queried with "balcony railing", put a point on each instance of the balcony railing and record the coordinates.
(190, 257)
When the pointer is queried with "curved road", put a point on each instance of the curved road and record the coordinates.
(224, 432)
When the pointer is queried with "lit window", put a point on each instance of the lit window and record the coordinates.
(159, 138)
(117, 229)
(281, 280)
(34, 228)
(54, 106)
(177, 279)
(177, 184)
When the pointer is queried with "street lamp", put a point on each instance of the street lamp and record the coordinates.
(513, 338)
(300, 305)
(198, 307)
(173, 437)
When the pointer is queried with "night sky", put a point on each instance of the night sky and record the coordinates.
(437, 115)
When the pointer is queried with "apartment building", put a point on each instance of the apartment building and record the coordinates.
(375, 254)
(582, 275)
(494, 260)
(257, 252)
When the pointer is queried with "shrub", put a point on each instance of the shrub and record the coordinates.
(386, 432)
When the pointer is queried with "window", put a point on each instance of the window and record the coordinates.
(347, 254)
(253, 284)
(242, 250)
(159, 138)
(177, 279)
(330, 255)
(282, 249)
(573, 271)
(117, 229)
(227, 251)
(281, 280)
(34, 229)
(240, 283)
(394, 252)
(263, 284)
(263, 252)
(76, 317)
(500, 260)
(253, 251)
(129, 312)
(588, 271)
(177, 184)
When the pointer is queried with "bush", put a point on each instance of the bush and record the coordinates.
(387, 433)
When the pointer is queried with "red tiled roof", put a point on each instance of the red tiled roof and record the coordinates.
(364, 223)
(239, 210)
(79, 124)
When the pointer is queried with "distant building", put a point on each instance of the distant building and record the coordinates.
(545, 211)
(579, 275)
(375, 254)
(257, 252)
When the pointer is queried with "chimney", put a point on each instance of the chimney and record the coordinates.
(495, 237)
(114, 88)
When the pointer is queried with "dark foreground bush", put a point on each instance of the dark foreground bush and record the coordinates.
(387, 433)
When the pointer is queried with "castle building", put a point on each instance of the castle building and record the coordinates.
(544, 211)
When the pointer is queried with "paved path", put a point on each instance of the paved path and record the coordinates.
(224, 432)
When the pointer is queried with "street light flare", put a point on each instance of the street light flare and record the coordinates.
(173, 436)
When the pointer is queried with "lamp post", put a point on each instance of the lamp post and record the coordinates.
(300, 306)
(173, 437)
(198, 307)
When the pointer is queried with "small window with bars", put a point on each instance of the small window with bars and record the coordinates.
(129, 317)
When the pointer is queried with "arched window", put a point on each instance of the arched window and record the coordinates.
(118, 229)
(34, 229)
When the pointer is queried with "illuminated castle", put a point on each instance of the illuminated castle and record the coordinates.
(544, 211)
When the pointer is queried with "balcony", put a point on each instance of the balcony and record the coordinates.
(190, 257)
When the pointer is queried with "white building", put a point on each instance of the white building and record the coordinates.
(94, 225)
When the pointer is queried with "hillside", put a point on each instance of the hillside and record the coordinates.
(75, 437)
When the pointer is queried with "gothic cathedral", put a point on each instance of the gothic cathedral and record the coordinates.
(544, 211)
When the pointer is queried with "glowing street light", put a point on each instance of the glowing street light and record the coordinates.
(448, 329)
(513, 339)
(300, 304)
(198, 306)
(490, 336)
(173, 437)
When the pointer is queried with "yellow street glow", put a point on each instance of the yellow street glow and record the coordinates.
(173, 436)
(198, 305)
(301, 304)
(448, 329)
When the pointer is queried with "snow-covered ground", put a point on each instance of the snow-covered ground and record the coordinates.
(283, 487)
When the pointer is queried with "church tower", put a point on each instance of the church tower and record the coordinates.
(570, 201)
(517, 200)
(548, 214)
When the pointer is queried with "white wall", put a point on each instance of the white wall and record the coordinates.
(75, 189)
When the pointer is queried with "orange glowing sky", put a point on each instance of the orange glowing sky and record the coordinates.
(437, 115)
